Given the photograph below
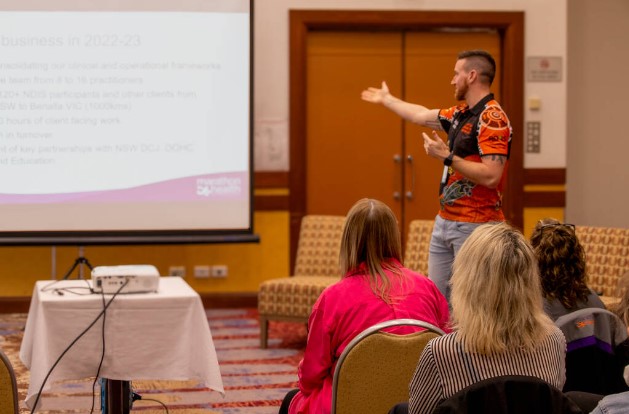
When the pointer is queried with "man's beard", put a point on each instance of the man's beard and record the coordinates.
(459, 93)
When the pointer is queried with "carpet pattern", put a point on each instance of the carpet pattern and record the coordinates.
(255, 379)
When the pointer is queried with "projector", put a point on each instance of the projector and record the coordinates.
(138, 279)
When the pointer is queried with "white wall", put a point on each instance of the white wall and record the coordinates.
(598, 143)
(545, 35)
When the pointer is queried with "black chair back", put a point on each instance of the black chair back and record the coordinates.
(512, 394)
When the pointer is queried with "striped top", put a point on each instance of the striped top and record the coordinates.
(445, 368)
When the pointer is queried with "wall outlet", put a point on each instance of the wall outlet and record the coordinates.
(219, 271)
(202, 272)
(177, 271)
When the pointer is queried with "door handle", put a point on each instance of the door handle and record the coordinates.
(410, 193)
(397, 195)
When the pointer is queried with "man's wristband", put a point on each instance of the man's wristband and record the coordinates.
(447, 161)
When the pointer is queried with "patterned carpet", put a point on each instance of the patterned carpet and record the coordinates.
(255, 379)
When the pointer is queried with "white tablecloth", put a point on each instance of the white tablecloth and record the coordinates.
(162, 335)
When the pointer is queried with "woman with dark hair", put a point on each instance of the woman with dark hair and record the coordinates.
(562, 268)
(375, 287)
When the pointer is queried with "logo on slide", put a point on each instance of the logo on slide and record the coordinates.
(207, 187)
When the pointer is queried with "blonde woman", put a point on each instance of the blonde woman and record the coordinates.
(375, 287)
(500, 327)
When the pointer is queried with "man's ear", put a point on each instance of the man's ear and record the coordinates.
(472, 76)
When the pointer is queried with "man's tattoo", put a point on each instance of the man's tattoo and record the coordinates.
(436, 125)
(500, 158)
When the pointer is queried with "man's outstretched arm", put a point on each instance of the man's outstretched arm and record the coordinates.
(417, 114)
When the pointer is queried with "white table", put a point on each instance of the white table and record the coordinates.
(149, 336)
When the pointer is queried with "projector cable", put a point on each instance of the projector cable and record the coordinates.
(69, 289)
(136, 397)
(41, 388)
(102, 354)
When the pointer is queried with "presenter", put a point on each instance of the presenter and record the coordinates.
(475, 156)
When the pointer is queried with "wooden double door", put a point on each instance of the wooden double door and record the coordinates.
(356, 149)
(343, 149)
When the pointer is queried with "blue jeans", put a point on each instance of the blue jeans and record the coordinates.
(447, 238)
(613, 404)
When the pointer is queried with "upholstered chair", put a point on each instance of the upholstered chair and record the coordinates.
(375, 368)
(316, 267)
(607, 258)
(417, 245)
(8, 387)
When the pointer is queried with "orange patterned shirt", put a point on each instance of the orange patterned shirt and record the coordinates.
(473, 133)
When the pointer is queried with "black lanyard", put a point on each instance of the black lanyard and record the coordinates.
(452, 134)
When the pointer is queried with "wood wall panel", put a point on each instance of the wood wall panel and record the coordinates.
(270, 180)
(545, 176)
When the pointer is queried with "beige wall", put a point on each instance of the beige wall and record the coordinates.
(598, 91)
(545, 35)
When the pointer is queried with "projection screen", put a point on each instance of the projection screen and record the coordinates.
(125, 121)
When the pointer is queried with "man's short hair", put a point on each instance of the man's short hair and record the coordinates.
(482, 62)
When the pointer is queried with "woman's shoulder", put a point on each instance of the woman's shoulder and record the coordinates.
(555, 309)
(556, 337)
(412, 273)
(340, 297)
(347, 284)
(419, 280)
(594, 301)
(449, 341)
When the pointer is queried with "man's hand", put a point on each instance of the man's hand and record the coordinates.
(435, 147)
(487, 172)
(375, 95)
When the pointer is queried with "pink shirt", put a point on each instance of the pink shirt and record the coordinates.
(344, 310)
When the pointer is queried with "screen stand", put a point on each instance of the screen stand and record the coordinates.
(78, 262)
(116, 396)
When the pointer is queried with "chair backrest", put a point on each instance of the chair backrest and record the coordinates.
(510, 394)
(417, 245)
(597, 351)
(8, 387)
(319, 246)
(374, 370)
(606, 255)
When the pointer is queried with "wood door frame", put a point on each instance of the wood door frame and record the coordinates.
(510, 26)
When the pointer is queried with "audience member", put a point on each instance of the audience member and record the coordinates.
(500, 327)
(622, 307)
(613, 404)
(375, 287)
(562, 268)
